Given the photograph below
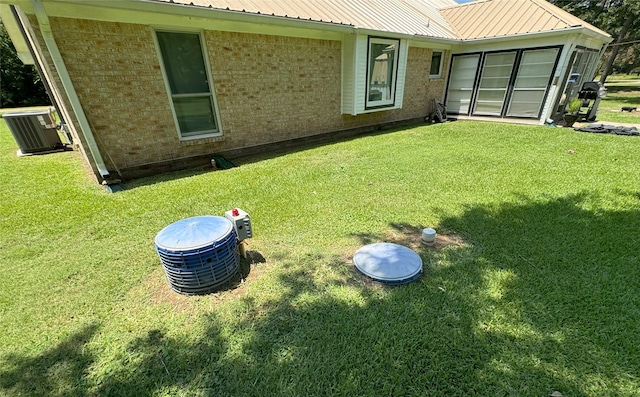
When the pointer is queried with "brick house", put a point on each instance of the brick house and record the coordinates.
(147, 86)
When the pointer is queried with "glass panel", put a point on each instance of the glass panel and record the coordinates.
(187, 77)
(534, 73)
(463, 75)
(436, 61)
(526, 103)
(490, 102)
(382, 63)
(489, 107)
(494, 82)
(183, 62)
(194, 114)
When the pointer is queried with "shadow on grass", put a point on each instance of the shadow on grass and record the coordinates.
(557, 289)
(60, 371)
(541, 297)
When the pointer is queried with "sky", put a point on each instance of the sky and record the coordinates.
(463, 1)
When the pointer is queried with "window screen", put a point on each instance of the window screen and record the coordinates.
(188, 81)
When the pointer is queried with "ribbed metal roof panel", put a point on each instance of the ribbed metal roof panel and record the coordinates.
(412, 17)
(494, 18)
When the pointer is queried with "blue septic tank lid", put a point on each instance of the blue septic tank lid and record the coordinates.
(388, 263)
(193, 233)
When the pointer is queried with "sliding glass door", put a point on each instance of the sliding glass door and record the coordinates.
(494, 82)
(532, 81)
(461, 81)
(501, 84)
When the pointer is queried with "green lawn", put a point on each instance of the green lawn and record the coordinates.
(622, 91)
(538, 290)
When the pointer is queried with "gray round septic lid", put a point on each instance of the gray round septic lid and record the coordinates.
(193, 233)
(388, 263)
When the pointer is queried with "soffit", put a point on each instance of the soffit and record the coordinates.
(495, 18)
(410, 17)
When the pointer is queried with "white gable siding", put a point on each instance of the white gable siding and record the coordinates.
(348, 76)
(402, 72)
(360, 74)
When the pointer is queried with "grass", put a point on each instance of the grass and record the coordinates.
(539, 292)
(622, 91)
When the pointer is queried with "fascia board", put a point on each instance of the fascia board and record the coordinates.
(524, 36)
(130, 11)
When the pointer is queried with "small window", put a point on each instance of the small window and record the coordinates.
(188, 79)
(436, 65)
(382, 65)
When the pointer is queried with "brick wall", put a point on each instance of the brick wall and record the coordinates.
(268, 89)
(419, 88)
(116, 73)
(273, 88)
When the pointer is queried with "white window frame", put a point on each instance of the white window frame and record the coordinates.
(355, 54)
(390, 102)
(197, 134)
(439, 74)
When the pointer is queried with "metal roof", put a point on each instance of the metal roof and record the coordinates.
(494, 18)
(443, 19)
(410, 17)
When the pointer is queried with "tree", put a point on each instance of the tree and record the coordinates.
(20, 84)
(620, 18)
(628, 61)
(622, 34)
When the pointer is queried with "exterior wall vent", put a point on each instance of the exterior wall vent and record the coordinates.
(33, 131)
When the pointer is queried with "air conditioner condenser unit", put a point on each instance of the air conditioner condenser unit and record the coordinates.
(33, 131)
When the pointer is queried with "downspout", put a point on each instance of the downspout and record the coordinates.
(54, 52)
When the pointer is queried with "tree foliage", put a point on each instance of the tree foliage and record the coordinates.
(619, 18)
(20, 84)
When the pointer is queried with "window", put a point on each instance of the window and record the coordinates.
(436, 65)
(581, 62)
(503, 84)
(494, 83)
(530, 87)
(373, 73)
(188, 79)
(461, 82)
(382, 64)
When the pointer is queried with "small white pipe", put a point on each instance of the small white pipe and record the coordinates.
(54, 51)
(428, 235)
